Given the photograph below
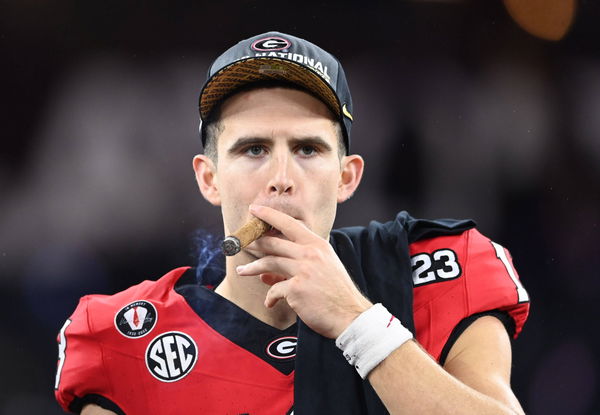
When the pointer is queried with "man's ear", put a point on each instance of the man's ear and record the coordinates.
(352, 170)
(206, 177)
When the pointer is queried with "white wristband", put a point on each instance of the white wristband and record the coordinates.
(371, 337)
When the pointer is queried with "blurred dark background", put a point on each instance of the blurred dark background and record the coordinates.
(479, 109)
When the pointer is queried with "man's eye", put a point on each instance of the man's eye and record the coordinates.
(255, 150)
(308, 150)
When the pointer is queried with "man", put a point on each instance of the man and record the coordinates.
(305, 319)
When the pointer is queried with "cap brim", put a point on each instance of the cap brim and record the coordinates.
(254, 69)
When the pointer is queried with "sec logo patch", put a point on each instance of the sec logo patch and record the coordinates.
(171, 356)
(136, 319)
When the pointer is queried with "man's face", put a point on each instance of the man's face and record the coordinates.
(278, 148)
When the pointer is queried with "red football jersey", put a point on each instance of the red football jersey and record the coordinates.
(148, 351)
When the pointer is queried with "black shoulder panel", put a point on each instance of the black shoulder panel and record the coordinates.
(376, 256)
(418, 229)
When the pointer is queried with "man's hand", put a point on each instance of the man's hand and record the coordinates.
(305, 271)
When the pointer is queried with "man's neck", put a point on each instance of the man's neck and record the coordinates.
(249, 294)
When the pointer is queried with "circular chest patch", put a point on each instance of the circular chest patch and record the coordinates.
(136, 319)
(283, 347)
(171, 356)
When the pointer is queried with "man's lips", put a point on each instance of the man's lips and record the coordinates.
(273, 232)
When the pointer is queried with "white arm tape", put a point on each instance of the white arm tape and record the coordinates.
(371, 337)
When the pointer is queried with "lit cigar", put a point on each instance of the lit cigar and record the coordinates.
(250, 232)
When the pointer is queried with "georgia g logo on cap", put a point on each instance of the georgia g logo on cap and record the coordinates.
(271, 43)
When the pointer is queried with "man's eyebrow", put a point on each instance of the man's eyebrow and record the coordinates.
(243, 142)
(311, 141)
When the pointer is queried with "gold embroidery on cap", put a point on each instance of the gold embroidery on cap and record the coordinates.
(257, 69)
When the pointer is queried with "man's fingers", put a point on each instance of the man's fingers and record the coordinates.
(277, 292)
(271, 279)
(292, 228)
(267, 265)
(271, 245)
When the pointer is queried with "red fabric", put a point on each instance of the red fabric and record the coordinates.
(484, 285)
(99, 360)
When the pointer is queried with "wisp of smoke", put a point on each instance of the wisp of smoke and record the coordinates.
(210, 267)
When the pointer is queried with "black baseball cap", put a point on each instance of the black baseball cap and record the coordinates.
(280, 57)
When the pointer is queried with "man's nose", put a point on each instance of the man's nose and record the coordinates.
(281, 181)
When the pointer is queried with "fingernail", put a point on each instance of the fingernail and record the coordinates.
(240, 268)
(254, 208)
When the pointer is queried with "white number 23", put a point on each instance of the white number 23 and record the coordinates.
(441, 265)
